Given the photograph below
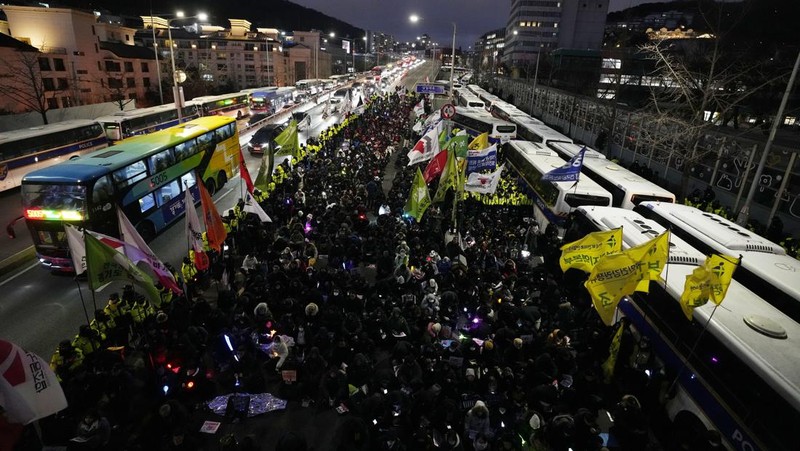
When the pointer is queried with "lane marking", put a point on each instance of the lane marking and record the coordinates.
(33, 265)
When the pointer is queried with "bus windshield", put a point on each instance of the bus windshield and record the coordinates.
(54, 201)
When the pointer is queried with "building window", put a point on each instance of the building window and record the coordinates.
(249, 68)
(114, 83)
(93, 33)
(128, 66)
(127, 38)
(96, 49)
(146, 82)
(248, 57)
(58, 63)
(145, 67)
(83, 71)
(112, 66)
(130, 82)
(223, 67)
(63, 83)
(52, 103)
(48, 84)
(44, 64)
(66, 102)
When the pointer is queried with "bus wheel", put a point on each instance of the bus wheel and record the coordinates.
(211, 187)
(222, 179)
(146, 230)
(74, 157)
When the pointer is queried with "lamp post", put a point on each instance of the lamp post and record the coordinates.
(177, 91)
(158, 65)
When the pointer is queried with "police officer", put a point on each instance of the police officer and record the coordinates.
(66, 360)
(86, 341)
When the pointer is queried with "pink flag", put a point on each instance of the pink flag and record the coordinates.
(137, 250)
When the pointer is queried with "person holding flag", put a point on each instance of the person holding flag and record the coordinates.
(708, 282)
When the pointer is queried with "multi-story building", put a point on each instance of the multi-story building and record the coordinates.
(489, 51)
(217, 59)
(81, 59)
(536, 26)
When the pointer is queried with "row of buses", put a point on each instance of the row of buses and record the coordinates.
(733, 369)
(26, 150)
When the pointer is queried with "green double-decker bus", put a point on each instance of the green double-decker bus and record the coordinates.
(145, 175)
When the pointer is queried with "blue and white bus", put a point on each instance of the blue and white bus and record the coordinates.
(765, 267)
(734, 368)
(141, 121)
(553, 201)
(477, 120)
(29, 149)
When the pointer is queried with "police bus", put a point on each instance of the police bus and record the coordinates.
(140, 121)
(628, 188)
(729, 370)
(477, 120)
(765, 266)
(235, 105)
(29, 149)
(553, 201)
(144, 175)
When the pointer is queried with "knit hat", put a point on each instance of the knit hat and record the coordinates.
(312, 309)
(488, 345)
(436, 328)
(261, 309)
(518, 343)
(161, 317)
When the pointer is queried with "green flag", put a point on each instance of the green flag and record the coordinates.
(449, 178)
(419, 199)
(288, 140)
(262, 181)
(105, 265)
(459, 143)
(443, 138)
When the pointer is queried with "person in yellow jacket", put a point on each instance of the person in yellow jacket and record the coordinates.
(165, 294)
(66, 360)
(140, 311)
(86, 341)
(101, 324)
(115, 308)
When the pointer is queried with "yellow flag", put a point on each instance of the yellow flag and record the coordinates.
(480, 142)
(613, 352)
(656, 259)
(617, 275)
(708, 282)
(584, 253)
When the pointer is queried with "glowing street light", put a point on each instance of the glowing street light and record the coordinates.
(413, 18)
(178, 78)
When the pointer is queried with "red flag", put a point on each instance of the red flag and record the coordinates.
(435, 166)
(215, 230)
(244, 173)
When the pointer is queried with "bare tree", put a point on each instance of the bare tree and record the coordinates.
(22, 82)
(114, 89)
(695, 84)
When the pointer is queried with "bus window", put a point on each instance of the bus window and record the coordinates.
(146, 203)
(167, 193)
(187, 180)
(130, 174)
(224, 133)
(204, 142)
(102, 191)
(506, 128)
(161, 161)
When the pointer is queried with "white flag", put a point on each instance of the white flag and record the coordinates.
(419, 109)
(251, 206)
(29, 390)
(137, 250)
(193, 231)
(483, 183)
(427, 147)
(77, 248)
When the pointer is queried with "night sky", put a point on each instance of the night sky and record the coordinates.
(472, 17)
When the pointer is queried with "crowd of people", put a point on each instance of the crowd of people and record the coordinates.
(473, 342)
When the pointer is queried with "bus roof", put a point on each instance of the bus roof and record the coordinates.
(765, 355)
(207, 99)
(136, 112)
(546, 133)
(546, 160)
(262, 89)
(102, 161)
(625, 179)
(44, 129)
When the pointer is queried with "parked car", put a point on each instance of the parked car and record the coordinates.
(303, 119)
(264, 139)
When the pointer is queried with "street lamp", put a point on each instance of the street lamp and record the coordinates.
(414, 19)
(177, 79)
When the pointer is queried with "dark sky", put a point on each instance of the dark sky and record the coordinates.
(472, 17)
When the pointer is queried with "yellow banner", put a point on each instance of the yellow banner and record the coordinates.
(617, 275)
(584, 253)
(707, 282)
(656, 259)
(613, 352)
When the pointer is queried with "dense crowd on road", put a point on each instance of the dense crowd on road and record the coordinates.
(343, 302)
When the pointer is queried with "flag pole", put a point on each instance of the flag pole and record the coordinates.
(694, 348)
(89, 276)
(83, 303)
